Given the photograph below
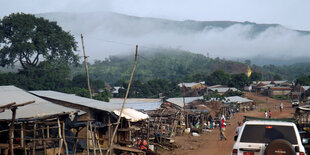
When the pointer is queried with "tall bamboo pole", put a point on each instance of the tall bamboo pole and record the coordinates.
(86, 67)
(11, 131)
(119, 118)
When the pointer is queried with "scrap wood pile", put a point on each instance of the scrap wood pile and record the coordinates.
(165, 124)
(302, 116)
(43, 133)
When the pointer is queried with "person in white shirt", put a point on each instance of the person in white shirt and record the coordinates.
(238, 129)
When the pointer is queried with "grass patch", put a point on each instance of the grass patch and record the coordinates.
(263, 109)
(281, 97)
(260, 102)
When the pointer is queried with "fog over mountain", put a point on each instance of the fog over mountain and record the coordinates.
(107, 34)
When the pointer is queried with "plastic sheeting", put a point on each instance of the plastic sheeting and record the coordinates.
(132, 115)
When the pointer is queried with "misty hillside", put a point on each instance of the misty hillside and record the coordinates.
(166, 64)
(174, 64)
(107, 34)
(131, 25)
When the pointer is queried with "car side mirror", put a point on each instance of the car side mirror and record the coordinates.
(236, 137)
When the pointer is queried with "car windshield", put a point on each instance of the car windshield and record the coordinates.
(268, 133)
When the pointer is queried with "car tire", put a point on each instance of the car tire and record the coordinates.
(279, 146)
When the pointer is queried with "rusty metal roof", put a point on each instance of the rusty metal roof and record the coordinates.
(40, 107)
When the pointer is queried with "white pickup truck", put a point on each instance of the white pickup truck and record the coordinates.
(268, 138)
(295, 102)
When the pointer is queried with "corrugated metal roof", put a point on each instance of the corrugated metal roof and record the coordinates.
(132, 115)
(306, 87)
(237, 99)
(9, 94)
(188, 85)
(223, 90)
(77, 100)
(179, 100)
(116, 89)
(138, 103)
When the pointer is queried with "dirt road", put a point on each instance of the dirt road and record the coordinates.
(210, 144)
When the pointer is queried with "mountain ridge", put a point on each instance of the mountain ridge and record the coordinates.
(108, 33)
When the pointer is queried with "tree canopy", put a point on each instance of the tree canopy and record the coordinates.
(25, 38)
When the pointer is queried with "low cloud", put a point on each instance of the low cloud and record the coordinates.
(109, 34)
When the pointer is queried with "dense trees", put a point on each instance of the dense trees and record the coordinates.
(218, 77)
(45, 53)
(27, 39)
(303, 80)
(153, 89)
(239, 81)
(256, 76)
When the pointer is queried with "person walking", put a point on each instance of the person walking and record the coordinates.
(281, 107)
(266, 114)
(269, 114)
(238, 129)
(223, 128)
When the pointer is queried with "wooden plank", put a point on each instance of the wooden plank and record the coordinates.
(117, 147)
(34, 137)
(64, 137)
(44, 141)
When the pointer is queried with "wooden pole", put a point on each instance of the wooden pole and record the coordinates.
(129, 130)
(120, 115)
(64, 137)
(98, 143)
(22, 135)
(44, 141)
(87, 137)
(48, 132)
(34, 137)
(92, 138)
(148, 131)
(76, 140)
(11, 131)
(109, 131)
(60, 137)
(86, 67)
(185, 114)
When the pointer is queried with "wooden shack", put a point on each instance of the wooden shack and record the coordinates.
(37, 128)
(96, 126)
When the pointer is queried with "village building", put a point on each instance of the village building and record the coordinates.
(99, 122)
(263, 87)
(39, 127)
(140, 104)
(242, 103)
(115, 90)
(193, 89)
(300, 92)
(222, 90)
(279, 91)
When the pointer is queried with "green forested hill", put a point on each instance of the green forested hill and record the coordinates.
(289, 72)
(162, 64)
(173, 64)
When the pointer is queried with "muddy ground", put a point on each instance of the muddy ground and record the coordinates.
(209, 142)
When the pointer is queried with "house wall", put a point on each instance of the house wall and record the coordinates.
(278, 92)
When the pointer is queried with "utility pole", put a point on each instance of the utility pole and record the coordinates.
(124, 102)
(86, 68)
(185, 114)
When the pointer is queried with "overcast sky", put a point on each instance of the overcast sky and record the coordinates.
(290, 13)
